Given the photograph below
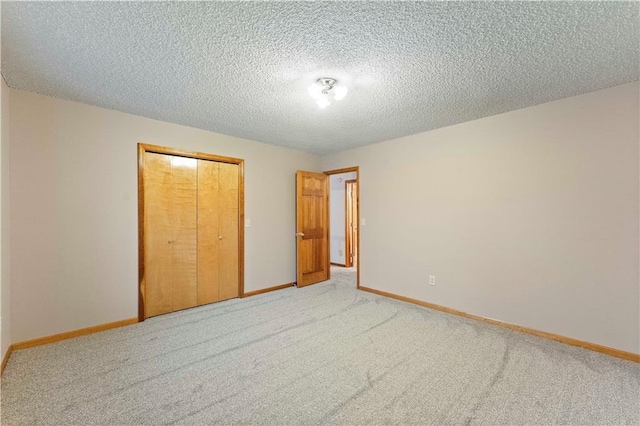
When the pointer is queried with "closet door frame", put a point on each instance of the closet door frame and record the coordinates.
(143, 148)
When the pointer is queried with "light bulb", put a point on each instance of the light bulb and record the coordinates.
(315, 91)
(340, 92)
(323, 103)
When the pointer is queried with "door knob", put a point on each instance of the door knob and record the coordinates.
(170, 241)
(300, 234)
(219, 237)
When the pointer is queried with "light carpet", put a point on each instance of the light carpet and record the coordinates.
(324, 354)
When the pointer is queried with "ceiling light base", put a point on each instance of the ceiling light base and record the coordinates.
(327, 83)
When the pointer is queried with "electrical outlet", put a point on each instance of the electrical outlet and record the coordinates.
(432, 279)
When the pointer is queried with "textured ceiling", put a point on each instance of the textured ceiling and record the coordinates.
(243, 68)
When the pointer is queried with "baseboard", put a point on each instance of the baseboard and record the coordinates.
(551, 336)
(6, 358)
(70, 334)
(268, 289)
(344, 265)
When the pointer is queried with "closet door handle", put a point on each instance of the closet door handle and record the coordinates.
(170, 241)
(219, 237)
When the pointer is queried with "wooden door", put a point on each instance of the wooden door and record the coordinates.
(229, 223)
(218, 220)
(170, 216)
(191, 241)
(312, 229)
(208, 232)
(351, 214)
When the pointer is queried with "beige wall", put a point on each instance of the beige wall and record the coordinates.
(5, 319)
(529, 217)
(74, 210)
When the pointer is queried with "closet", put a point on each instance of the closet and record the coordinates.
(191, 239)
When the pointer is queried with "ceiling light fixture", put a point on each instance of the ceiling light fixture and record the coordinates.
(326, 89)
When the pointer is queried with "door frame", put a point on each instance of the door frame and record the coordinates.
(336, 172)
(143, 148)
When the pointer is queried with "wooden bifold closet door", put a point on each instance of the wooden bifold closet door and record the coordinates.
(191, 225)
(217, 231)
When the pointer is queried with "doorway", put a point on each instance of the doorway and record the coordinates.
(344, 227)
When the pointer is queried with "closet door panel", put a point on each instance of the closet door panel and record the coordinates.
(229, 205)
(158, 231)
(184, 237)
(208, 232)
